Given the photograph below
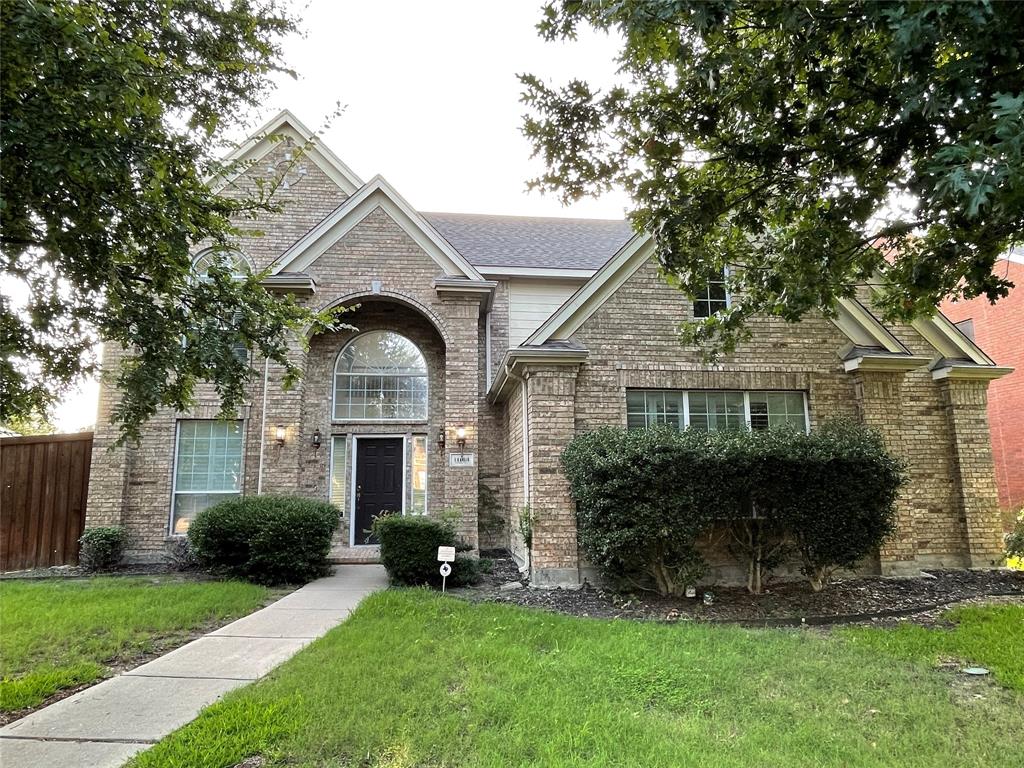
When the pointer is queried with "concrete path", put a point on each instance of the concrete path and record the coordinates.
(102, 726)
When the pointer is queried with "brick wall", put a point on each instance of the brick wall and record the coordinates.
(633, 342)
(999, 330)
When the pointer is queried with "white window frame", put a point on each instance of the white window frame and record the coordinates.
(685, 394)
(728, 298)
(174, 472)
(412, 468)
(334, 385)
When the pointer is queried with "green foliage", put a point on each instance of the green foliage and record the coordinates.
(1015, 539)
(492, 521)
(643, 497)
(102, 547)
(62, 633)
(265, 539)
(805, 145)
(524, 526)
(408, 551)
(112, 113)
(34, 422)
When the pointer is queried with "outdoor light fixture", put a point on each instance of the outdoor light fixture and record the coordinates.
(318, 438)
(440, 441)
(279, 433)
(460, 437)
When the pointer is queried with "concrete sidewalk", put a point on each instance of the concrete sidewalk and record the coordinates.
(102, 726)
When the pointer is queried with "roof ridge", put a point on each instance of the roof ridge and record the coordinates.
(522, 217)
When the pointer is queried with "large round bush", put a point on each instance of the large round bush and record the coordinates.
(408, 551)
(265, 539)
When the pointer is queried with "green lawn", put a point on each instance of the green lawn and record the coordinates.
(992, 636)
(416, 679)
(56, 634)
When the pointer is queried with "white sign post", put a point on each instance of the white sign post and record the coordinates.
(445, 555)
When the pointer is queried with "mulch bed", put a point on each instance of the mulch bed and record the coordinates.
(855, 600)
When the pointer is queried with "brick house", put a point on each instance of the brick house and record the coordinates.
(484, 343)
(999, 329)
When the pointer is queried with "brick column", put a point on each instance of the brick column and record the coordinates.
(551, 398)
(974, 477)
(879, 399)
(461, 409)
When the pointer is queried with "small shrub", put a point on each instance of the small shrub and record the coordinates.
(265, 539)
(408, 547)
(1015, 540)
(525, 526)
(466, 570)
(102, 548)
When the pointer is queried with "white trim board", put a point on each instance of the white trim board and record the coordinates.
(376, 193)
(266, 138)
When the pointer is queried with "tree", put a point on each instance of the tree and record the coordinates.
(804, 147)
(111, 114)
(34, 423)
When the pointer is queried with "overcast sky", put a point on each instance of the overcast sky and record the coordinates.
(432, 105)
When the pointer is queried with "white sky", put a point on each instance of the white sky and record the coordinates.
(432, 105)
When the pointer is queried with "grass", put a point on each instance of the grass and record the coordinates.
(990, 636)
(417, 679)
(57, 634)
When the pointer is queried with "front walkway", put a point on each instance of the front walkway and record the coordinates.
(104, 725)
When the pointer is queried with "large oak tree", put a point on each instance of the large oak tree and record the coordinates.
(810, 146)
(111, 111)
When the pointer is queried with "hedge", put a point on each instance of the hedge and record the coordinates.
(265, 539)
(643, 497)
(408, 551)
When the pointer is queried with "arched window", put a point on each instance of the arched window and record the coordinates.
(380, 376)
(231, 260)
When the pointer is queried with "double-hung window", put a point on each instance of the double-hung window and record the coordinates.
(207, 468)
(713, 410)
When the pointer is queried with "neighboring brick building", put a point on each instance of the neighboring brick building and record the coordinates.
(999, 330)
(484, 343)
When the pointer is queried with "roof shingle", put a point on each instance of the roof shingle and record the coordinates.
(527, 241)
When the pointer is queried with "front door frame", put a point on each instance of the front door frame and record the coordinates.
(355, 462)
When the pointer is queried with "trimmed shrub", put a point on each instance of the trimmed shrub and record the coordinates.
(833, 492)
(265, 539)
(644, 497)
(408, 551)
(102, 548)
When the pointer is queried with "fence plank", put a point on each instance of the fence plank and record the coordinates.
(44, 483)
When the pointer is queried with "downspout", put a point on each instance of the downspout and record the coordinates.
(487, 349)
(263, 425)
(524, 388)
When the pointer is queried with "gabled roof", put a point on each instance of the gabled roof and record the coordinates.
(285, 125)
(875, 344)
(532, 242)
(376, 193)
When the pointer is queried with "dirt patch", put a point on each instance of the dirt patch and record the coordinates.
(855, 600)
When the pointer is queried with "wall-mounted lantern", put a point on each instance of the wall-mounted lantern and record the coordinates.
(460, 437)
(279, 434)
(440, 441)
(317, 439)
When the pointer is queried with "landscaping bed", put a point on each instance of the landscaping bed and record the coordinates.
(846, 600)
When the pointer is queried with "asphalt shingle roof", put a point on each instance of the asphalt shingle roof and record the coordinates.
(526, 241)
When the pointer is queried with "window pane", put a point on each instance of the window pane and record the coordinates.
(208, 467)
(339, 452)
(419, 474)
(380, 375)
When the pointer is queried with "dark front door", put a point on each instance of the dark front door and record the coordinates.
(378, 482)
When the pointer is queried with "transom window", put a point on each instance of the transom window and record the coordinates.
(714, 298)
(232, 261)
(714, 410)
(207, 468)
(380, 376)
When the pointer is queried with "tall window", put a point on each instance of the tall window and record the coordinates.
(380, 376)
(714, 298)
(207, 468)
(714, 410)
(239, 268)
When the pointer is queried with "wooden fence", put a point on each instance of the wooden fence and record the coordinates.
(44, 482)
